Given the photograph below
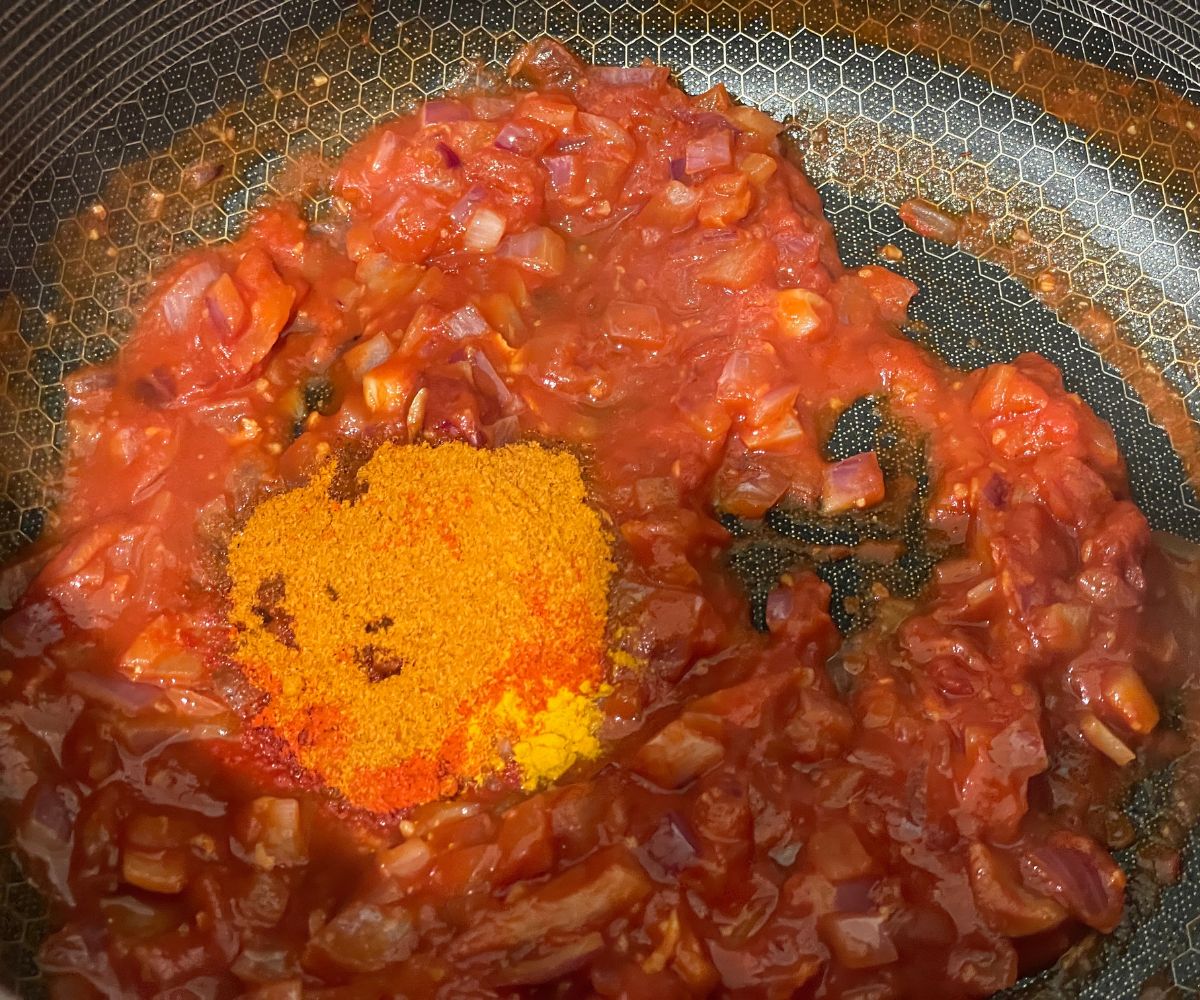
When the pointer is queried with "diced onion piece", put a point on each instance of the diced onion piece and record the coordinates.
(521, 139)
(557, 114)
(774, 405)
(629, 76)
(634, 323)
(859, 940)
(1127, 695)
(405, 860)
(502, 314)
(186, 290)
(1009, 907)
(726, 200)
(610, 133)
(751, 120)
(746, 377)
(449, 156)
(465, 323)
(386, 387)
(383, 276)
(852, 484)
(504, 431)
(678, 754)
(1105, 740)
(709, 152)
(581, 898)
(1079, 874)
(273, 832)
(706, 416)
(540, 250)
(363, 937)
(561, 171)
(371, 353)
(551, 962)
(485, 230)
(157, 655)
(802, 313)
(781, 434)
(1063, 627)
(926, 219)
(433, 112)
(759, 167)
(674, 207)
(835, 850)
(753, 492)
(489, 107)
(488, 379)
(981, 592)
(462, 210)
(155, 871)
(741, 266)
(115, 692)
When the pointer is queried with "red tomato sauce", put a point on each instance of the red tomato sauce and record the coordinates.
(589, 257)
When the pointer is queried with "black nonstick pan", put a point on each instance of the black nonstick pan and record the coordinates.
(1066, 133)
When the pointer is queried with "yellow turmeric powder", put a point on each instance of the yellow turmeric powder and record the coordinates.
(444, 623)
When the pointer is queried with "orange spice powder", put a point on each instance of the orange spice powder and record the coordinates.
(446, 623)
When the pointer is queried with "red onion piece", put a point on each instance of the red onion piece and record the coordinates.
(183, 293)
(678, 163)
(433, 112)
(571, 143)
(518, 139)
(484, 231)
(127, 697)
(854, 483)
(609, 132)
(486, 373)
(461, 210)
(504, 431)
(709, 152)
(489, 107)
(539, 249)
(449, 157)
(1074, 871)
(629, 76)
(465, 323)
(928, 220)
(561, 170)
(755, 492)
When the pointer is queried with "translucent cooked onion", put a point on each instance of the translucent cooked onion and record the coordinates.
(185, 291)
(485, 230)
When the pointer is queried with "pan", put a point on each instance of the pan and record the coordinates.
(1065, 134)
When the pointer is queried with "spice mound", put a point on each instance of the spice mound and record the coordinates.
(444, 622)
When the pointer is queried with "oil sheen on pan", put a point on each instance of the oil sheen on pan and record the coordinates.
(388, 639)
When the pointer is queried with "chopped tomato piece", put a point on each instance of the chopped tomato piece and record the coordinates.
(271, 301)
(891, 291)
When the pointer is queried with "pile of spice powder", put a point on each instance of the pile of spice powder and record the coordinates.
(454, 610)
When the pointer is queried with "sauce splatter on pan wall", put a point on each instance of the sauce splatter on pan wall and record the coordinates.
(158, 125)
